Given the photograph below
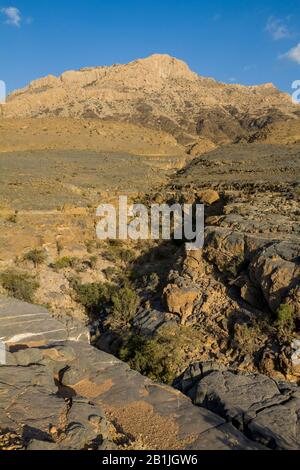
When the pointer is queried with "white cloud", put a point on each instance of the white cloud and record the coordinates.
(293, 54)
(277, 28)
(13, 16)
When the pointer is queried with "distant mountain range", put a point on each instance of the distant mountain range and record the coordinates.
(161, 93)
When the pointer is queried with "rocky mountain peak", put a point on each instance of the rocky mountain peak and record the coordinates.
(165, 66)
(158, 92)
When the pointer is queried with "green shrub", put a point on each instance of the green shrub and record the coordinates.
(13, 219)
(164, 356)
(285, 318)
(116, 252)
(92, 296)
(93, 262)
(110, 273)
(151, 282)
(90, 245)
(36, 256)
(124, 302)
(149, 357)
(64, 263)
(21, 286)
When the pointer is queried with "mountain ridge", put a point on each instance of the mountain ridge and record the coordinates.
(160, 60)
(158, 92)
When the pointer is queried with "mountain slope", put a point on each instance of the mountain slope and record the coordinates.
(158, 92)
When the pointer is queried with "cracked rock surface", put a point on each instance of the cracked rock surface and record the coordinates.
(62, 394)
(264, 410)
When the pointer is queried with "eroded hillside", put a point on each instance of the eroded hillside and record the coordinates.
(158, 92)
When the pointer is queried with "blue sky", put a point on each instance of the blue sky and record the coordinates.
(248, 42)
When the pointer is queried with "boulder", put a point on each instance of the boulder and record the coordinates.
(148, 321)
(251, 294)
(208, 196)
(180, 300)
(276, 271)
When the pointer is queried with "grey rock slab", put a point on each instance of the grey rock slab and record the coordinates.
(147, 322)
(21, 323)
(278, 426)
(40, 377)
(266, 411)
(224, 437)
(127, 390)
(86, 428)
(232, 395)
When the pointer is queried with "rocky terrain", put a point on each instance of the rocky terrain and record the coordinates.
(241, 292)
(60, 393)
(263, 409)
(122, 330)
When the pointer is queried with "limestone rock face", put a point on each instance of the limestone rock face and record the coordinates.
(272, 265)
(180, 300)
(277, 271)
(159, 92)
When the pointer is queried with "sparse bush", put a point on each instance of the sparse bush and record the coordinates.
(111, 255)
(285, 320)
(36, 256)
(110, 273)
(116, 252)
(125, 302)
(92, 296)
(127, 256)
(13, 218)
(90, 245)
(64, 263)
(21, 286)
(162, 357)
(74, 281)
(151, 282)
(93, 262)
(247, 337)
(59, 247)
